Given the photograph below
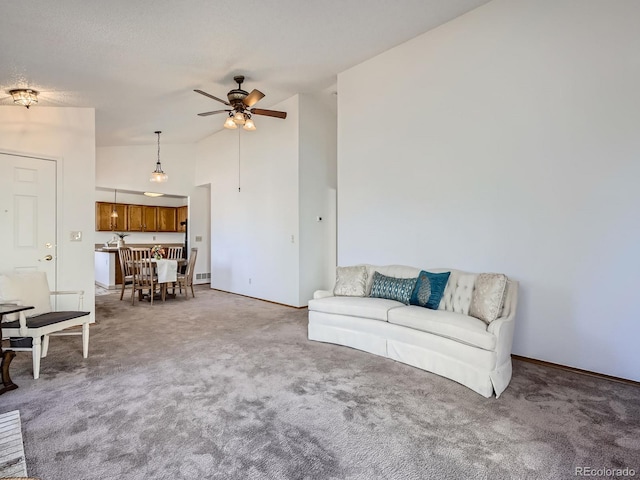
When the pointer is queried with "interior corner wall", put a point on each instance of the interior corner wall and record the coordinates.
(254, 231)
(200, 229)
(317, 180)
(507, 140)
(66, 135)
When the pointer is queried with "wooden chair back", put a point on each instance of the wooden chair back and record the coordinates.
(191, 265)
(174, 253)
(125, 261)
(143, 272)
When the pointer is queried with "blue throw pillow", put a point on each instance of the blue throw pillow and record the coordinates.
(392, 288)
(429, 289)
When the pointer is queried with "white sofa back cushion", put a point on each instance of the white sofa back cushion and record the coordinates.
(458, 292)
(30, 288)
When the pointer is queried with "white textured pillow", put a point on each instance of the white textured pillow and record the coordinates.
(31, 288)
(351, 281)
(488, 296)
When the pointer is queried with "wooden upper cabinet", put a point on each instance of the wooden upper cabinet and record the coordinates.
(167, 219)
(104, 220)
(135, 218)
(150, 219)
(182, 212)
(142, 218)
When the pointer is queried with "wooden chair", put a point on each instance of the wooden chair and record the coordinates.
(31, 333)
(125, 267)
(143, 273)
(174, 253)
(186, 279)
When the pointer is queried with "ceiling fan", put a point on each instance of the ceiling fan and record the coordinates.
(241, 103)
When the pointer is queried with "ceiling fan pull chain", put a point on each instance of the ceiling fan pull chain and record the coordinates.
(238, 160)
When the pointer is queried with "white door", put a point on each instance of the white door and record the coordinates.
(28, 215)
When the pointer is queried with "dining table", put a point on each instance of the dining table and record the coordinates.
(165, 270)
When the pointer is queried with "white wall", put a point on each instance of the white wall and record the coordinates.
(316, 195)
(507, 140)
(68, 136)
(251, 230)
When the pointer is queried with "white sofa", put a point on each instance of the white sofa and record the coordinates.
(447, 341)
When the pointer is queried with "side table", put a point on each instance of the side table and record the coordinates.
(7, 355)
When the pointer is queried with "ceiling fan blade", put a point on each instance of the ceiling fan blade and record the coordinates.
(254, 97)
(205, 114)
(211, 96)
(269, 113)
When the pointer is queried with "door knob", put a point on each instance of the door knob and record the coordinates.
(48, 258)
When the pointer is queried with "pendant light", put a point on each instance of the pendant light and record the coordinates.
(114, 212)
(158, 175)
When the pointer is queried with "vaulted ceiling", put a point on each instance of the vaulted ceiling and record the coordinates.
(137, 62)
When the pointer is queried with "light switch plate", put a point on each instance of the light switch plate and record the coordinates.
(198, 238)
(76, 236)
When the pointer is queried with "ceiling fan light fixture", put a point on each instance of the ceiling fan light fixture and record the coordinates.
(24, 96)
(239, 118)
(229, 123)
(249, 125)
(158, 176)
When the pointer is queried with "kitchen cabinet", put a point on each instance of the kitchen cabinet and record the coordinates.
(142, 218)
(167, 219)
(182, 213)
(104, 220)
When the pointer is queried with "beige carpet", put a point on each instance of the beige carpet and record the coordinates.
(226, 387)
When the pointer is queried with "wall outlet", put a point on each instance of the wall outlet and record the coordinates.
(154, 238)
(249, 280)
(293, 239)
(198, 238)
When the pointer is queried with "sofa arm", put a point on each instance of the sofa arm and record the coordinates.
(502, 328)
(322, 294)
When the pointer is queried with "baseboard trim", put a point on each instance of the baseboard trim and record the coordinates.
(256, 298)
(577, 370)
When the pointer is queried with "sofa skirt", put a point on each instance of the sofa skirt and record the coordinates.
(470, 366)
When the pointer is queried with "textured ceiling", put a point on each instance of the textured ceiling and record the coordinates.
(137, 62)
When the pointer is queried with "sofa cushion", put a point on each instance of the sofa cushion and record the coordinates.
(351, 281)
(458, 292)
(363, 307)
(488, 296)
(456, 326)
(429, 289)
(397, 271)
(392, 288)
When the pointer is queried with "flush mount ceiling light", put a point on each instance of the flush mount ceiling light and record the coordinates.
(24, 96)
(158, 176)
(153, 194)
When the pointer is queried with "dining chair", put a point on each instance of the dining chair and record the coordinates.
(186, 279)
(174, 253)
(125, 267)
(143, 273)
(31, 330)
